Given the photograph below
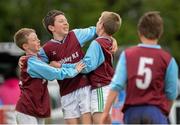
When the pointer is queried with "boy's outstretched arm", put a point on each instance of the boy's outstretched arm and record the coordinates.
(86, 34)
(78, 66)
(38, 69)
(94, 57)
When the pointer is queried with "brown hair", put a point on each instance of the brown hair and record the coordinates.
(20, 37)
(111, 22)
(50, 18)
(151, 25)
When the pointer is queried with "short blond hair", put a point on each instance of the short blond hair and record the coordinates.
(20, 37)
(111, 22)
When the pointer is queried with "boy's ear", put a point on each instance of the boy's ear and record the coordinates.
(25, 46)
(50, 27)
(102, 26)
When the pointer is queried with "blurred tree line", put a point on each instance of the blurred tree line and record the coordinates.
(15, 14)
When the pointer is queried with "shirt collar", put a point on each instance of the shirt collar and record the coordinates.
(149, 46)
(105, 37)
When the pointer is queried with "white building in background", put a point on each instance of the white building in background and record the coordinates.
(11, 48)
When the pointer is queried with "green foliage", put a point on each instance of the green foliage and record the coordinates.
(16, 14)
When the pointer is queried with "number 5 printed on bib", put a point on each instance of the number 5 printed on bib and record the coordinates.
(145, 71)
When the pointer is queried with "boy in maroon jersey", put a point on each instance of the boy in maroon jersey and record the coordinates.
(149, 75)
(99, 62)
(34, 104)
(65, 47)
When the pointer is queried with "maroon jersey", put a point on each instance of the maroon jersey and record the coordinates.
(34, 99)
(67, 52)
(146, 72)
(104, 73)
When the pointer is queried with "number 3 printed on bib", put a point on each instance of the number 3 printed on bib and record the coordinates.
(145, 71)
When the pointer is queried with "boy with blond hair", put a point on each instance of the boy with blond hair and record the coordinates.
(99, 62)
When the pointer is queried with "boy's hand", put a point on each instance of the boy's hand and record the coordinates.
(79, 66)
(55, 64)
(114, 45)
(20, 62)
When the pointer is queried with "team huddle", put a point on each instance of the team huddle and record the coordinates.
(88, 82)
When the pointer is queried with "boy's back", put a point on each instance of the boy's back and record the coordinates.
(104, 73)
(146, 69)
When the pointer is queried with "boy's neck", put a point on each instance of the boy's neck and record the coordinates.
(103, 34)
(148, 41)
(58, 37)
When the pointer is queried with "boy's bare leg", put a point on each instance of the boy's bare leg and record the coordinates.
(96, 118)
(86, 118)
(72, 121)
